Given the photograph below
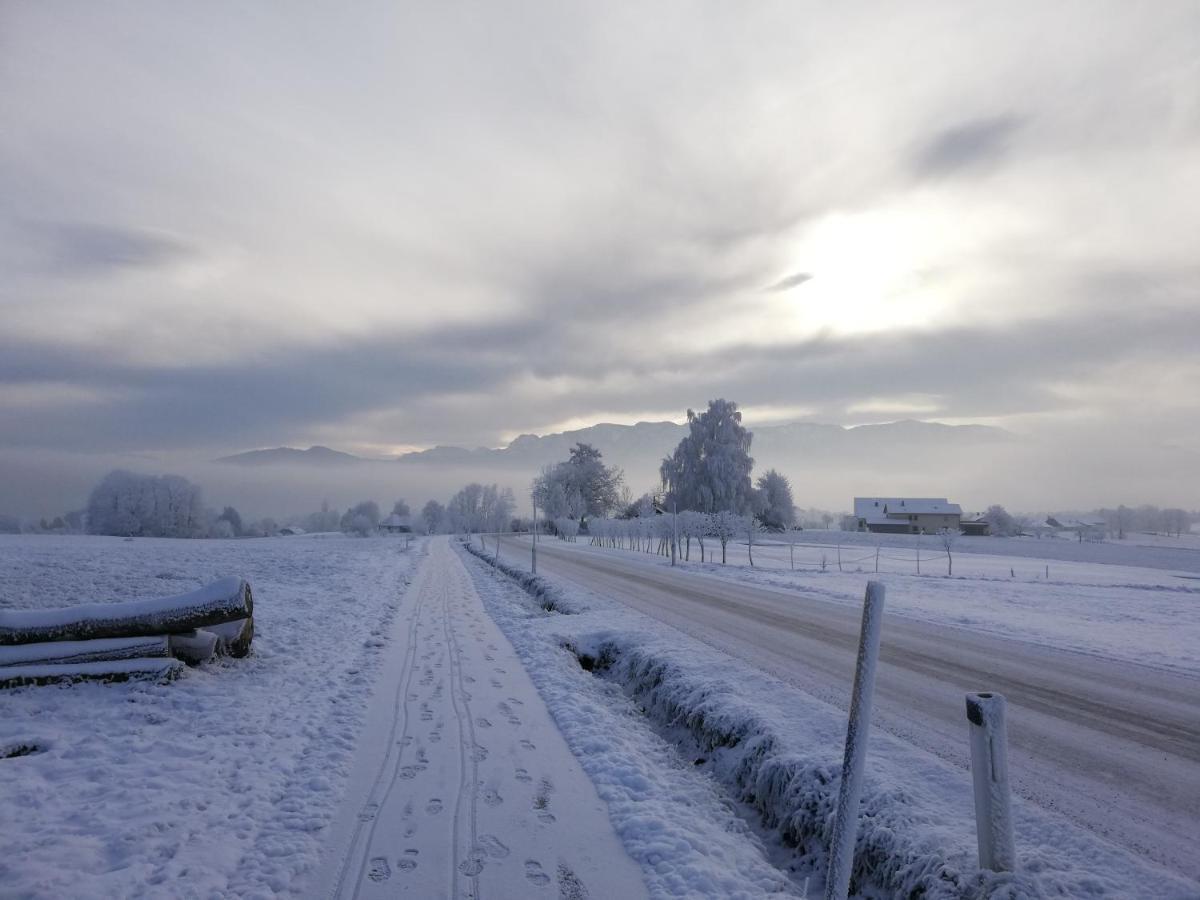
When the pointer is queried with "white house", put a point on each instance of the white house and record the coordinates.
(906, 515)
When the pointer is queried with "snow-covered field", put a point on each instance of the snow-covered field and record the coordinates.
(219, 784)
(1138, 614)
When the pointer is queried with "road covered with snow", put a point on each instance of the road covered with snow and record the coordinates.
(463, 786)
(1101, 744)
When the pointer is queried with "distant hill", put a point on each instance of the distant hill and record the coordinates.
(795, 449)
(313, 456)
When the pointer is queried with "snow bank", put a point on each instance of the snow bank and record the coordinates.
(548, 596)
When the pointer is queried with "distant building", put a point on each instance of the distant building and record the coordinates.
(395, 524)
(291, 530)
(906, 515)
(1084, 529)
(976, 526)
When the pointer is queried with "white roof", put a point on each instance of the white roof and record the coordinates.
(883, 510)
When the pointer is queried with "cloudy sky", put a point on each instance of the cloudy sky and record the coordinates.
(385, 225)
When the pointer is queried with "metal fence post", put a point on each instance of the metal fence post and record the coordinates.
(845, 828)
(989, 771)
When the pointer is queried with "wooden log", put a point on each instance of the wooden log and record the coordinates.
(233, 638)
(225, 600)
(70, 652)
(156, 669)
(196, 647)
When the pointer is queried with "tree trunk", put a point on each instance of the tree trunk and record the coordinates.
(64, 653)
(196, 647)
(157, 669)
(225, 600)
(233, 638)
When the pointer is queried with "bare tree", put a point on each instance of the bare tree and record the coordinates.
(948, 537)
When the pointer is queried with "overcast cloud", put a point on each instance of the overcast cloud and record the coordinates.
(382, 225)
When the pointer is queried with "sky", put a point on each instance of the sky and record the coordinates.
(385, 226)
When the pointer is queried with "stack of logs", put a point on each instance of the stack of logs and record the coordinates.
(140, 639)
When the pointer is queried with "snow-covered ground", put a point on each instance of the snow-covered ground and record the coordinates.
(1144, 615)
(219, 784)
(383, 738)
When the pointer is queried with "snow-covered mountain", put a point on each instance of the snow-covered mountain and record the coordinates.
(313, 456)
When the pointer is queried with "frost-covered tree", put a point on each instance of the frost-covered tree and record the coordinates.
(724, 526)
(400, 508)
(693, 525)
(126, 503)
(948, 537)
(234, 518)
(748, 526)
(710, 468)
(581, 486)
(773, 501)
(362, 518)
(433, 515)
(1000, 522)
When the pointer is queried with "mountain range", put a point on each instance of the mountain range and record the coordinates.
(638, 449)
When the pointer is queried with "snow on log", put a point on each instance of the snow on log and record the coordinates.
(225, 600)
(157, 669)
(70, 652)
(233, 638)
(196, 647)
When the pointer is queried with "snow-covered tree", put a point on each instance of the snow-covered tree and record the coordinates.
(146, 505)
(581, 486)
(710, 468)
(433, 515)
(749, 527)
(1000, 522)
(948, 537)
(362, 518)
(773, 501)
(400, 508)
(724, 526)
(234, 518)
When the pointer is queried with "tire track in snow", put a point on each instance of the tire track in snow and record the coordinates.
(368, 818)
(468, 787)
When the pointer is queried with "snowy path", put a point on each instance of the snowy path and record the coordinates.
(462, 775)
(1113, 746)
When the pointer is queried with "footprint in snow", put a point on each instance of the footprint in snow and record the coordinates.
(492, 797)
(535, 873)
(433, 807)
(379, 869)
(368, 812)
(408, 861)
(482, 722)
(473, 864)
(523, 775)
(527, 744)
(493, 846)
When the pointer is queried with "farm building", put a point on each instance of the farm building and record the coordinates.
(906, 515)
(395, 524)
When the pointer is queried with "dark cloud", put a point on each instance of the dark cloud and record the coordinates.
(79, 248)
(970, 145)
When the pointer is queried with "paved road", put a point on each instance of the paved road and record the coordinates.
(1113, 746)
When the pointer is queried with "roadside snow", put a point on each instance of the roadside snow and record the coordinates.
(219, 784)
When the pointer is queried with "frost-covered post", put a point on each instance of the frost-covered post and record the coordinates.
(533, 564)
(674, 529)
(845, 826)
(989, 770)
